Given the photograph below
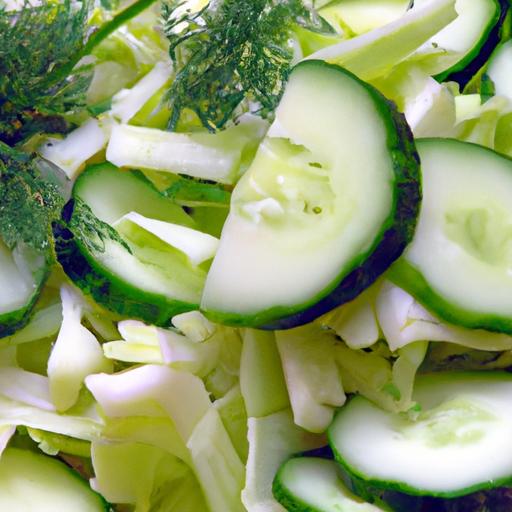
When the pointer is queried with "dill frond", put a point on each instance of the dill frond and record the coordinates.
(232, 51)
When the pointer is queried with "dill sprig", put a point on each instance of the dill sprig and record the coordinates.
(41, 79)
(36, 42)
(231, 51)
(29, 202)
(88, 229)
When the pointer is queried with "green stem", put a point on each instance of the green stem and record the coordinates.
(102, 33)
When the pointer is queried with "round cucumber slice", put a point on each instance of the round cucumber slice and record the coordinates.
(311, 484)
(455, 446)
(459, 264)
(329, 202)
(30, 481)
(123, 266)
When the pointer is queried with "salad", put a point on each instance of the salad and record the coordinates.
(255, 255)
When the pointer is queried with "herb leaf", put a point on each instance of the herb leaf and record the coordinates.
(88, 229)
(230, 51)
(29, 203)
(35, 43)
(40, 76)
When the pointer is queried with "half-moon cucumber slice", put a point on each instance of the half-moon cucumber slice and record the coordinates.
(328, 204)
(455, 446)
(459, 264)
(30, 481)
(124, 266)
(23, 273)
(311, 484)
(468, 40)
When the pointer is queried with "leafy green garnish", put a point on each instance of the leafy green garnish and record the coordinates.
(41, 78)
(35, 44)
(29, 203)
(90, 230)
(230, 51)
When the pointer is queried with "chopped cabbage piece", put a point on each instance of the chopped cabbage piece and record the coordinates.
(312, 377)
(75, 354)
(261, 376)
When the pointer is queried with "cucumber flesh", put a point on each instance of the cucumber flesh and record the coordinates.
(112, 193)
(459, 264)
(454, 447)
(334, 181)
(124, 266)
(30, 481)
(500, 70)
(464, 37)
(311, 484)
(23, 273)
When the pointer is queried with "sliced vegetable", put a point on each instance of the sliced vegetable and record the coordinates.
(373, 55)
(112, 193)
(146, 477)
(272, 440)
(466, 38)
(125, 267)
(261, 376)
(198, 247)
(463, 418)
(355, 322)
(75, 354)
(458, 263)
(312, 377)
(45, 322)
(144, 391)
(37, 482)
(23, 272)
(127, 102)
(302, 202)
(403, 320)
(220, 157)
(309, 484)
(499, 70)
(71, 152)
(361, 16)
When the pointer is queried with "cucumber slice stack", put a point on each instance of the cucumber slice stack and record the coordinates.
(329, 202)
(459, 264)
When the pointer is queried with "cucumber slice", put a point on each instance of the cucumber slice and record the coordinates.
(30, 481)
(500, 70)
(112, 193)
(328, 204)
(23, 272)
(311, 484)
(469, 39)
(454, 447)
(459, 263)
(123, 266)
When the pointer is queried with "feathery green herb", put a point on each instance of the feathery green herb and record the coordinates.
(89, 230)
(231, 51)
(35, 44)
(41, 79)
(29, 203)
